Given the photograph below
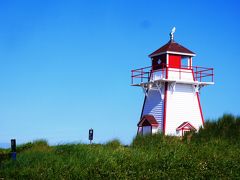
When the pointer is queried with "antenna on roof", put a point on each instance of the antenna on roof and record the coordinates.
(172, 33)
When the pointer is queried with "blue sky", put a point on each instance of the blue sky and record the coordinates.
(65, 65)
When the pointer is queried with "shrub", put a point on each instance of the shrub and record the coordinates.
(226, 127)
(37, 144)
(113, 144)
(4, 154)
(157, 140)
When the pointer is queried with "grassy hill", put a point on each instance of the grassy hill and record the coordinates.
(213, 153)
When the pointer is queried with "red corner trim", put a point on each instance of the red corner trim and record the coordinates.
(199, 105)
(165, 104)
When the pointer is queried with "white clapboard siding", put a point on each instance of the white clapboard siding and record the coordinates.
(154, 106)
(182, 106)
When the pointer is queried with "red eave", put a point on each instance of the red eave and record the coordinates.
(150, 118)
(172, 48)
(184, 124)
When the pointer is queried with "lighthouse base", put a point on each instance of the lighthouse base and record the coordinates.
(170, 107)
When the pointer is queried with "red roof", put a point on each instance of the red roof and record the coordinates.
(150, 119)
(172, 47)
(186, 125)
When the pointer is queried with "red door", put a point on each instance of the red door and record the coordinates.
(174, 61)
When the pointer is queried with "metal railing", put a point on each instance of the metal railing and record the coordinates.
(200, 74)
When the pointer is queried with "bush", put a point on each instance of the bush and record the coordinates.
(36, 145)
(154, 141)
(4, 154)
(226, 127)
(114, 144)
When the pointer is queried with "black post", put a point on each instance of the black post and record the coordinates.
(90, 135)
(13, 149)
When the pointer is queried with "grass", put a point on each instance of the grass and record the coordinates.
(213, 153)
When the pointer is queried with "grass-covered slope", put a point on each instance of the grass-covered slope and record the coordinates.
(214, 152)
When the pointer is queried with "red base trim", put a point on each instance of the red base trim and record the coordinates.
(199, 105)
(165, 109)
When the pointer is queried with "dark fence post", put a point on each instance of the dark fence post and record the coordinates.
(13, 149)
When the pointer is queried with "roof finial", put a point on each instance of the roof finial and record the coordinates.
(172, 33)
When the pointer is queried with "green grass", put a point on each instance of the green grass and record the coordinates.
(213, 153)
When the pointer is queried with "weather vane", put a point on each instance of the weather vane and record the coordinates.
(172, 33)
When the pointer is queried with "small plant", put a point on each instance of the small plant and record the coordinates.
(37, 144)
(114, 144)
(4, 154)
(226, 127)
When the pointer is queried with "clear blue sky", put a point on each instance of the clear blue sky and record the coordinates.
(65, 65)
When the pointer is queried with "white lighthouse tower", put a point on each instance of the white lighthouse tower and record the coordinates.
(171, 86)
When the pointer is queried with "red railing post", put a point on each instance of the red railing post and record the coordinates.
(166, 71)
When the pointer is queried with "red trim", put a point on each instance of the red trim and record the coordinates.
(165, 104)
(193, 75)
(150, 119)
(186, 126)
(182, 128)
(199, 105)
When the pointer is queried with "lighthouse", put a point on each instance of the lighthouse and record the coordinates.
(171, 88)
